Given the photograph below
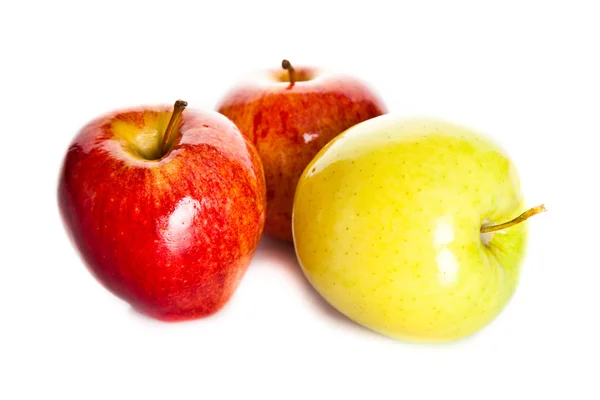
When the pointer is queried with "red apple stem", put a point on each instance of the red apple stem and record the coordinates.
(174, 122)
(527, 214)
(285, 64)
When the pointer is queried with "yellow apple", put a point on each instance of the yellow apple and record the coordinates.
(387, 225)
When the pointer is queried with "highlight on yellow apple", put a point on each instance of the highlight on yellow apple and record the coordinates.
(414, 228)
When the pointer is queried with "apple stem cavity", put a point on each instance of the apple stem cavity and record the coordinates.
(285, 64)
(526, 215)
(174, 122)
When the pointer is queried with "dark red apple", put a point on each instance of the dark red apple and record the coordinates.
(290, 114)
(166, 208)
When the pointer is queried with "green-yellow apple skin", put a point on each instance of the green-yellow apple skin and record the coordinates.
(386, 225)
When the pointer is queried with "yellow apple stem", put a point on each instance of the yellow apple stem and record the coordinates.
(527, 214)
(178, 108)
(285, 64)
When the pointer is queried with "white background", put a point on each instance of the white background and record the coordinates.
(525, 72)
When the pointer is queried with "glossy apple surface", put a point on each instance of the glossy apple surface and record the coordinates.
(289, 124)
(171, 234)
(387, 223)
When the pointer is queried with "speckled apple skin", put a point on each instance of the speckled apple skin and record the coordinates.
(289, 124)
(173, 237)
(387, 224)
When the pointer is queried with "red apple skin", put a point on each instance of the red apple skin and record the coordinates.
(289, 124)
(172, 237)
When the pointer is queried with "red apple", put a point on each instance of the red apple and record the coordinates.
(166, 208)
(290, 114)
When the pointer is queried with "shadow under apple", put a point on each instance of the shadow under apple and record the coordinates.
(283, 254)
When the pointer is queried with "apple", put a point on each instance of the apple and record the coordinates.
(290, 114)
(166, 208)
(407, 226)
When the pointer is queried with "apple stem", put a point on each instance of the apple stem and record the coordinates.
(527, 214)
(178, 108)
(285, 64)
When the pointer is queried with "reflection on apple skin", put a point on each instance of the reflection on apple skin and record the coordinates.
(445, 259)
(179, 228)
